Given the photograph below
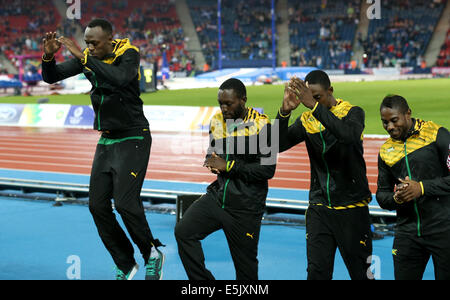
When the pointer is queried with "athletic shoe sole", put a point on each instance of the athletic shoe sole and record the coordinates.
(133, 272)
(162, 264)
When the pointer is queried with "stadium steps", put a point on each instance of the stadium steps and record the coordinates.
(283, 45)
(363, 28)
(6, 63)
(438, 37)
(193, 45)
(61, 6)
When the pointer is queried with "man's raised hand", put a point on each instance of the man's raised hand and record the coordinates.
(71, 46)
(290, 98)
(51, 44)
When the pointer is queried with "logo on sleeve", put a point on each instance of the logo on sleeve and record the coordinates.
(448, 162)
(448, 158)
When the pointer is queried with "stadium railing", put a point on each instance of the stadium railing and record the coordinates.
(73, 192)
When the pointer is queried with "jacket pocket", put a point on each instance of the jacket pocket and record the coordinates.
(114, 112)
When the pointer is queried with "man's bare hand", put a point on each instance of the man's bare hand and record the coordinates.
(305, 94)
(408, 190)
(215, 164)
(51, 44)
(71, 46)
(290, 98)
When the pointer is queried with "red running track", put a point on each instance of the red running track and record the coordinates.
(175, 157)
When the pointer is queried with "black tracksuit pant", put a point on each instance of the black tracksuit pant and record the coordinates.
(206, 216)
(411, 254)
(346, 229)
(118, 172)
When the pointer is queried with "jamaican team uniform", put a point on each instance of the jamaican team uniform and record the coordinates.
(423, 224)
(337, 215)
(122, 153)
(234, 202)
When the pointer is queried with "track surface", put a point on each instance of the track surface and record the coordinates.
(68, 153)
(176, 157)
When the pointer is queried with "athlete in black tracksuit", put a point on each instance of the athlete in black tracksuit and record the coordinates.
(122, 153)
(337, 215)
(234, 202)
(422, 154)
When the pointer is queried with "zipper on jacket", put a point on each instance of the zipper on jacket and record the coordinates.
(326, 165)
(101, 101)
(228, 180)
(226, 185)
(416, 209)
(232, 128)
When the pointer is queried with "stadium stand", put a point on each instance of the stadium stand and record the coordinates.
(321, 32)
(246, 31)
(21, 25)
(402, 35)
(152, 25)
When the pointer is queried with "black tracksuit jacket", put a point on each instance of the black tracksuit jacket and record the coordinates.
(425, 157)
(244, 146)
(334, 142)
(115, 92)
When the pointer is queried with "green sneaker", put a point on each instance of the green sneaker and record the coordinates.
(153, 268)
(120, 275)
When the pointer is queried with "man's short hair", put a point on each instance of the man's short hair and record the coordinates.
(236, 85)
(395, 102)
(105, 25)
(318, 77)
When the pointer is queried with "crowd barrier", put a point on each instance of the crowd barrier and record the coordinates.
(161, 118)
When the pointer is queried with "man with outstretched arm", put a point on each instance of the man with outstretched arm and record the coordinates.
(123, 150)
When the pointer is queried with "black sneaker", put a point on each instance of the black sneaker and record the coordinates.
(153, 268)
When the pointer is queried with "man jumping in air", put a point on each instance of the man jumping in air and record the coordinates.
(123, 150)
